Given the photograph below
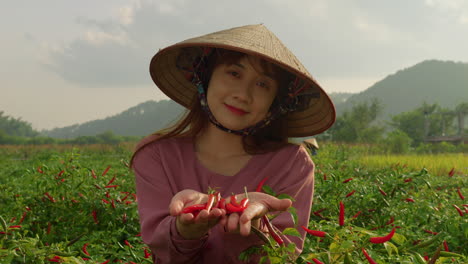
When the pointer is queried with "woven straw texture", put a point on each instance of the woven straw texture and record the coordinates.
(255, 40)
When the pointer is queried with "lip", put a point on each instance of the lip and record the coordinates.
(234, 110)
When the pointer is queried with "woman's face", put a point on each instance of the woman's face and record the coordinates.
(240, 94)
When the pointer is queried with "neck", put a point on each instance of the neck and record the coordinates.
(216, 142)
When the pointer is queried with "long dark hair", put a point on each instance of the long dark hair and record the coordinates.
(267, 139)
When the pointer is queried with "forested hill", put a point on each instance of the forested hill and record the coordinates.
(140, 120)
(442, 82)
(432, 81)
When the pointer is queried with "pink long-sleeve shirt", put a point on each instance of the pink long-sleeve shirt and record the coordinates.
(165, 167)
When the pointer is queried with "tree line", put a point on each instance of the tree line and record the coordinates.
(404, 132)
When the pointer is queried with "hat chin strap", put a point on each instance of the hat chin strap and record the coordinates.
(242, 132)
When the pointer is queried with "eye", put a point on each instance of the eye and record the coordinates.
(234, 73)
(263, 84)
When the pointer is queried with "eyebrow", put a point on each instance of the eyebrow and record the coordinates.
(263, 73)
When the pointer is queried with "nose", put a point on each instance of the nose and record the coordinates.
(243, 91)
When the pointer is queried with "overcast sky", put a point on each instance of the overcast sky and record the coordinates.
(65, 62)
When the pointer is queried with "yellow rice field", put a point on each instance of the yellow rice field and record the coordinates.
(439, 164)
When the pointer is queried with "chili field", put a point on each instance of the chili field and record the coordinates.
(68, 204)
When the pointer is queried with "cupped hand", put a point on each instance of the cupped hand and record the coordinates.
(259, 205)
(188, 225)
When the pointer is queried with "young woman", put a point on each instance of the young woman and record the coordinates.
(246, 94)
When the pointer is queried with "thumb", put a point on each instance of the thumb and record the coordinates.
(180, 200)
(280, 204)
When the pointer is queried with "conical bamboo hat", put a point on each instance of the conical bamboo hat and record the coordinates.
(255, 40)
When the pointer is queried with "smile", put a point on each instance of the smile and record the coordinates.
(234, 110)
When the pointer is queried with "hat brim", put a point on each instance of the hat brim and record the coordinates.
(315, 119)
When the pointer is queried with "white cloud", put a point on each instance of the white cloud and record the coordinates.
(454, 8)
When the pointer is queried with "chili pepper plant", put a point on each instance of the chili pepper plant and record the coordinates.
(78, 205)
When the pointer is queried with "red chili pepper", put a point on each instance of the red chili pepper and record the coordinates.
(316, 261)
(60, 173)
(55, 259)
(234, 201)
(351, 193)
(85, 250)
(222, 204)
(111, 181)
(50, 197)
(244, 202)
(317, 213)
(348, 180)
(106, 170)
(356, 215)
(451, 172)
(260, 184)
(314, 232)
(210, 202)
(460, 212)
(460, 194)
(382, 192)
(324, 176)
(430, 232)
(39, 169)
(342, 212)
(15, 226)
(234, 209)
(410, 200)
(105, 201)
(23, 216)
(446, 246)
(147, 254)
(371, 261)
(105, 262)
(128, 243)
(383, 239)
(408, 180)
(272, 232)
(390, 221)
(111, 186)
(193, 208)
(94, 213)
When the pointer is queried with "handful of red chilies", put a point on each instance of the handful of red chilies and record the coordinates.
(215, 201)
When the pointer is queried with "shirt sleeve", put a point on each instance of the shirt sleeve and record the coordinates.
(299, 184)
(158, 227)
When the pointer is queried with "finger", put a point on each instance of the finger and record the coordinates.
(245, 228)
(223, 221)
(233, 222)
(181, 199)
(278, 204)
(215, 213)
(252, 211)
(186, 218)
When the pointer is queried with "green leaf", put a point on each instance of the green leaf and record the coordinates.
(268, 190)
(399, 239)
(291, 247)
(293, 213)
(347, 244)
(286, 196)
(291, 232)
(390, 247)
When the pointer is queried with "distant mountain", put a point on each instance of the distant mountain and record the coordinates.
(432, 81)
(339, 98)
(442, 82)
(140, 120)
